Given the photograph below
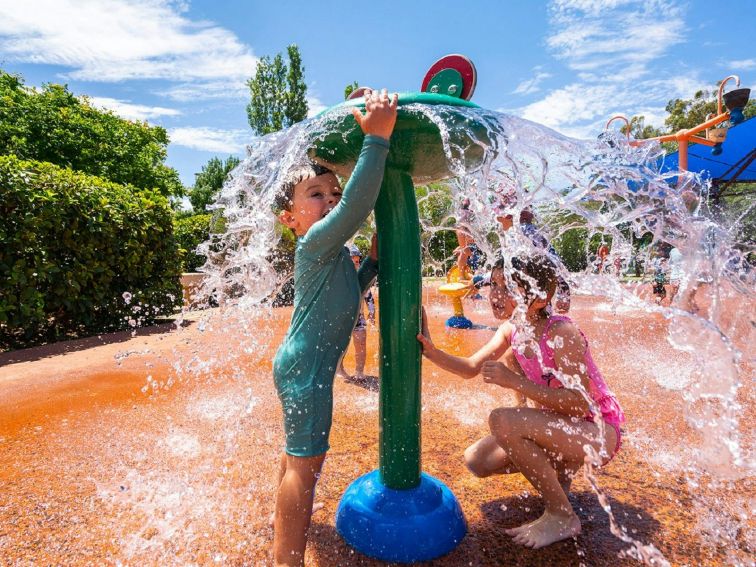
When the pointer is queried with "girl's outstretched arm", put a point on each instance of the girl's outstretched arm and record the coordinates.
(470, 366)
(569, 357)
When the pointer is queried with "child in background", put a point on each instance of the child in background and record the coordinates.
(660, 278)
(359, 334)
(544, 444)
(327, 295)
(675, 272)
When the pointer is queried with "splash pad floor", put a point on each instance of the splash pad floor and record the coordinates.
(94, 470)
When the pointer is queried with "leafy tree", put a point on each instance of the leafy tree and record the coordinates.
(688, 113)
(640, 130)
(209, 181)
(682, 115)
(277, 93)
(350, 88)
(296, 100)
(53, 125)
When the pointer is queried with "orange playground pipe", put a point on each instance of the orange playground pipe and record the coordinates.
(685, 137)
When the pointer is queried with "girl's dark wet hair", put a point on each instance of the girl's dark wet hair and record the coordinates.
(527, 270)
(285, 195)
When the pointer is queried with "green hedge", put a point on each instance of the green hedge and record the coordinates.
(71, 246)
(190, 232)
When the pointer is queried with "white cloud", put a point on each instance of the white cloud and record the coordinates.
(742, 64)
(314, 106)
(206, 90)
(592, 35)
(126, 109)
(116, 40)
(577, 109)
(210, 139)
(612, 45)
(530, 86)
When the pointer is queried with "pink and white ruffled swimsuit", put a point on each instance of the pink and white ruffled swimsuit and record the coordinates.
(611, 412)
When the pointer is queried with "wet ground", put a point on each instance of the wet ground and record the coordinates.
(161, 449)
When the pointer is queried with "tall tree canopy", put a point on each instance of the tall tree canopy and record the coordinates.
(277, 93)
(54, 125)
(209, 181)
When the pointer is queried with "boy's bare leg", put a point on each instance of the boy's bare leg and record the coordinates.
(294, 503)
(359, 338)
(281, 471)
(530, 437)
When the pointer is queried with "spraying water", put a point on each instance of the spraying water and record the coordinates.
(188, 478)
(605, 188)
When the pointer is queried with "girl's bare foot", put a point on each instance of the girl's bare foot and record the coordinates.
(514, 531)
(548, 529)
(317, 506)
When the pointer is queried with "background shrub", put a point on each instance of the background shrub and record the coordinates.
(71, 246)
(190, 232)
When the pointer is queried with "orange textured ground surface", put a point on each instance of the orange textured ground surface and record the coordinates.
(94, 470)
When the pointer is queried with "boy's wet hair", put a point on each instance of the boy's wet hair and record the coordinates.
(285, 195)
(527, 270)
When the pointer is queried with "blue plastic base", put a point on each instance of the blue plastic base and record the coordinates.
(458, 322)
(404, 526)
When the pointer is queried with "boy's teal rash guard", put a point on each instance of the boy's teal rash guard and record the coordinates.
(327, 294)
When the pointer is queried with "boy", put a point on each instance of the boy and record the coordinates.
(327, 292)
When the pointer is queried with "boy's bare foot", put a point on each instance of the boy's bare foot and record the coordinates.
(316, 507)
(548, 529)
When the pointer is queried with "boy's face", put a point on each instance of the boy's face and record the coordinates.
(313, 199)
(356, 260)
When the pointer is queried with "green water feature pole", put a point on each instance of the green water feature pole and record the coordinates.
(398, 513)
(400, 288)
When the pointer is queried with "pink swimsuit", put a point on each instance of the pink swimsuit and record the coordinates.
(611, 412)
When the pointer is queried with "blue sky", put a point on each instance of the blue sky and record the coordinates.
(568, 64)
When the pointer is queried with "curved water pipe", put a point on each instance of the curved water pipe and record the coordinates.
(720, 91)
(619, 117)
(735, 101)
(398, 513)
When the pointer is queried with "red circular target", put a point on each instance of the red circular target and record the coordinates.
(459, 63)
(357, 93)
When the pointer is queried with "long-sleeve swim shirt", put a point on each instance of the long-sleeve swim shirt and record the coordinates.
(327, 288)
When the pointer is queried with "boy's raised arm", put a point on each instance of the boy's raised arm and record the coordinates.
(327, 236)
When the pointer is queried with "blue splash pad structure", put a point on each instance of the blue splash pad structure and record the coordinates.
(733, 164)
(403, 526)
